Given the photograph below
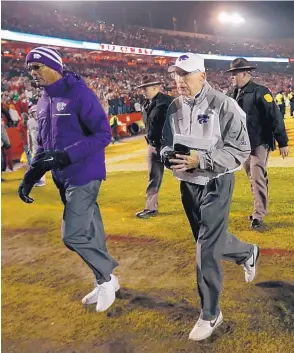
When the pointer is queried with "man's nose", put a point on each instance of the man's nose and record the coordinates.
(33, 71)
(179, 79)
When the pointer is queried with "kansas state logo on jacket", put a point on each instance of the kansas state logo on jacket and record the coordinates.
(70, 117)
(202, 118)
(217, 125)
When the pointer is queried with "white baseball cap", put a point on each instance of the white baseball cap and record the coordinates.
(188, 62)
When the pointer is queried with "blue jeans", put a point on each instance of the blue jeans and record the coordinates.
(28, 154)
(110, 110)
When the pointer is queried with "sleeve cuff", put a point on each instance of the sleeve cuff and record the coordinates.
(202, 162)
(165, 149)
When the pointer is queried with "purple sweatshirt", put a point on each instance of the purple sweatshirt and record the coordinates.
(71, 117)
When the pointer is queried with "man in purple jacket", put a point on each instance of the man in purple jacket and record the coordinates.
(73, 132)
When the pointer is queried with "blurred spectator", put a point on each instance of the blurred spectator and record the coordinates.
(32, 130)
(137, 106)
(5, 149)
(23, 131)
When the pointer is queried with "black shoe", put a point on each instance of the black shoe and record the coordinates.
(256, 224)
(147, 214)
(250, 218)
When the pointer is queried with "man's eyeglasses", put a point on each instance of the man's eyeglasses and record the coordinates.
(181, 74)
(35, 67)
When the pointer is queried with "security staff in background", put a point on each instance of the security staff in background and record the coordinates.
(73, 133)
(280, 100)
(208, 116)
(265, 125)
(154, 114)
(113, 122)
(291, 101)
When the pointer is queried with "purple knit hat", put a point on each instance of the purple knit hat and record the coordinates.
(47, 56)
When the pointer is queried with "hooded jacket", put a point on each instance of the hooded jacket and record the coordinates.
(71, 118)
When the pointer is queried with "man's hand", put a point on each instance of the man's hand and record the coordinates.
(49, 160)
(284, 151)
(166, 158)
(24, 191)
(31, 176)
(183, 163)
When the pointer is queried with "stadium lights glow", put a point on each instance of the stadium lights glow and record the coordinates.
(68, 43)
(233, 18)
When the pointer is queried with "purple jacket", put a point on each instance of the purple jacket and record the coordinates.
(70, 117)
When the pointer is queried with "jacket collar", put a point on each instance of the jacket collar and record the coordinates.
(159, 99)
(60, 87)
(199, 97)
(56, 89)
(249, 87)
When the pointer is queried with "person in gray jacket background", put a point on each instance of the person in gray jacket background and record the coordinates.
(32, 131)
(211, 128)
(5, 144)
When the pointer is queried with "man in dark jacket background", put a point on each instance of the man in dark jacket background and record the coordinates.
(73, 132)
(154, 115)
(265, 125)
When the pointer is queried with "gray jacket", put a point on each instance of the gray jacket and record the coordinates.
(217, 124)
(32, 130)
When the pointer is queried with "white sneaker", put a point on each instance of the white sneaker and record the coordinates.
(106, 294)
(40, 183)
(92, 297)
(250, 265)
(203, 328)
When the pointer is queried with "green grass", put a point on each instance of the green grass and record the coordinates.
(43, 282)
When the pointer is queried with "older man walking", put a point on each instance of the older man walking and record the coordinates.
(210, 131)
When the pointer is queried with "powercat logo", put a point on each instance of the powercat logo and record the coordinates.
(183, 57)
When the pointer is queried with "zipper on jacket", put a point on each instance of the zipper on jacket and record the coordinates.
(50, 125)
(191, 115)
(51, 147)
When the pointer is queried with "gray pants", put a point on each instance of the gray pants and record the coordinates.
(207, 208)
(155, 170)
(255, 167)
(82, 228)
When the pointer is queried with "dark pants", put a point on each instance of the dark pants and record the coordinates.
(3, 160)
(207, 208)
(282, 108)
(155, 170)
(82, 228)
(114, 130)
(292, 109)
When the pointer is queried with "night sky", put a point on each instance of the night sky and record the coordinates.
(266, 19)
(263, 18)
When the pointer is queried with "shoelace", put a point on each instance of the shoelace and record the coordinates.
(101, 290)
(200, 322)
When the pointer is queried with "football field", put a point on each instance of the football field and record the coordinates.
(158, 305)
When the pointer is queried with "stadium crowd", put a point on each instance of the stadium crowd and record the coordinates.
(115, 87)
(60, 23)
(114, 77)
